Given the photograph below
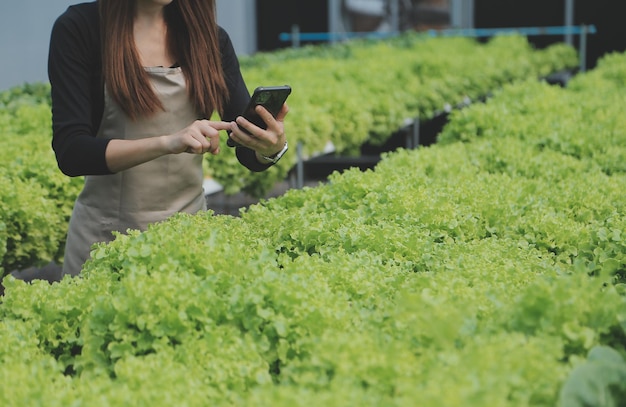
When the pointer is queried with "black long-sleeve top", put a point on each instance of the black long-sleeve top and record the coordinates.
(75, 74)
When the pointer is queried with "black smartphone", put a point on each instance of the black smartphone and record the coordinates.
(270, 97)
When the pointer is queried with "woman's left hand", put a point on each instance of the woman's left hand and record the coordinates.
(265, 142)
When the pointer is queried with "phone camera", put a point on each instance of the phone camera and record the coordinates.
(264, 97)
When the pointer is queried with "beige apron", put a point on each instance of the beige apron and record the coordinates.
(147, 193)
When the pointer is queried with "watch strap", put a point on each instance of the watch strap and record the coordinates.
(273, 159)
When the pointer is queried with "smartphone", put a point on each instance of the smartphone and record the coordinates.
(270, 97)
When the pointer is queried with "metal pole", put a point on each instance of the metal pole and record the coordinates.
(295, 36)
(456, 14)
(413, 135)
(583, 49)
(469, 14)
(334, 19)
(395, 15)
(569, 21)
(299, 167)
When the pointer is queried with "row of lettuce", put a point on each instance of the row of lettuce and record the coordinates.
(485, 270)
(363, 91)
(346, 94)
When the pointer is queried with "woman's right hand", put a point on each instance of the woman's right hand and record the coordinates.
(202, 136)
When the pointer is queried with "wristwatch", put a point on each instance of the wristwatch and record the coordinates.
(274, 158)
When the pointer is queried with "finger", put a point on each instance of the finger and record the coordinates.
(214, 144)
(282, 113)
(194, 146)
(243, 125)
(241, 137)
(218, 125)
(199, 142)
(264, 114)
(209, 135)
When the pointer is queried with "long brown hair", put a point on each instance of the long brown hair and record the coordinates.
(192, 38)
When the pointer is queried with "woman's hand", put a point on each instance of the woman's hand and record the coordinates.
(202, 136)
(265, 142)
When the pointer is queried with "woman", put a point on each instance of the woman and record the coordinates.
(133, 82)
